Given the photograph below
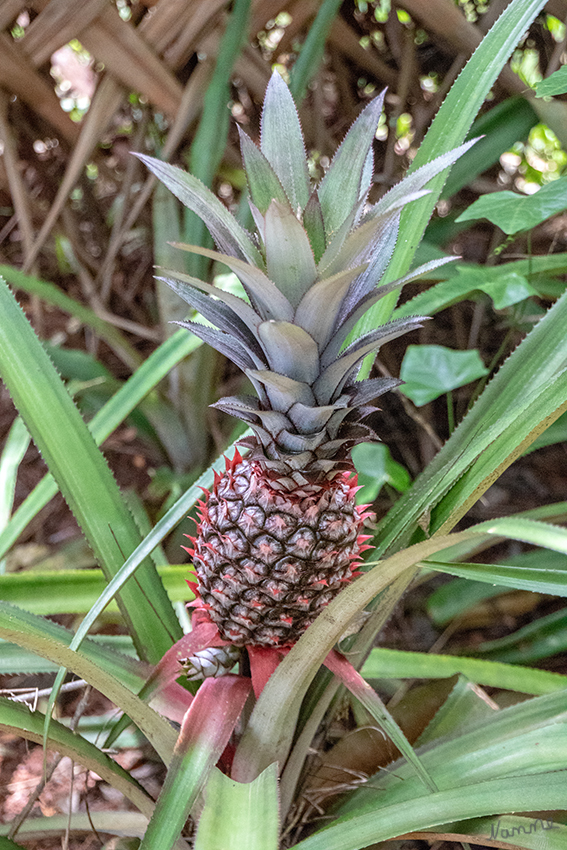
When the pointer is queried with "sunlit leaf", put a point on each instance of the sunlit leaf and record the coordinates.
(428, 371)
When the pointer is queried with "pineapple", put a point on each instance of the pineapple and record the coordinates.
(280, 533)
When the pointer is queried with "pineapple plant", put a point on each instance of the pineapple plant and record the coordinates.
(280, 533)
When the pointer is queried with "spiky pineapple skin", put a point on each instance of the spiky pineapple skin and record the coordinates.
(268, 561)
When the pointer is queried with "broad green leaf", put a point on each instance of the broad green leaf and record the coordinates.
(18, 719)
(514, 213)
(397, 664)
(375, 467)
(205, 732)
(556, 83)
(250, 816)
(282, 144)
(508, 290)
(136, 388)
(85, 480)
(429, 371)
(53, 642)
(462, 280)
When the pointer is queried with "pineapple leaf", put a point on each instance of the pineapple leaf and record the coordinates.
(341, 187)
(226, 343)
(223, 317)
(281, 390)
(185, 285)
(282, 142)
(415, 181)
(263, 293)
(370, 238)
(314, 226)
(225, 230)
(263, 182)
(334, 376)
(331, 292)
(290, 350)
(383, 246)
(289, 258)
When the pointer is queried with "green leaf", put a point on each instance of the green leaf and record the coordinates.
(428, 371)
(397, 664)
(554, 84)
(289, 258)
(116, 822)
(466, 279)
(514, 213)
(15, 447)
(225, 230)
(263, 182)
(311, 53)
(84, 478)
(250, 816)
(282, 143)
(375, 467)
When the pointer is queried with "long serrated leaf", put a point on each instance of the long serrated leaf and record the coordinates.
(341, 187)
(250, 813)
(333, 376)
(282, 142)
(225, 230)
(85, 480)
(226, 343)
(228, 313)
(289, 259)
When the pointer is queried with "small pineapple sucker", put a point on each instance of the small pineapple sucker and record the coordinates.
(280, 532)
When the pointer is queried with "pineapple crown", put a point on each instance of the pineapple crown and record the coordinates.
(310, 272)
